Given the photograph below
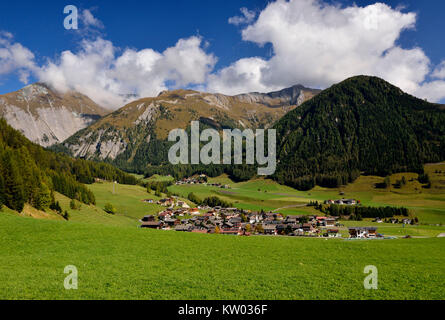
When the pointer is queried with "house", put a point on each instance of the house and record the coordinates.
(270, 229)
(148, 200)
(321, 221)
(194, 211)
(168, 202)
(291, 220)
(184, 227)
(281, 228)
(172, 222)
(183, 204)
(308, 227)
(236, 221)
(152, 225)
(147, 218)
(165, 215)
(330, 222)
(362, 232)
(333, 233)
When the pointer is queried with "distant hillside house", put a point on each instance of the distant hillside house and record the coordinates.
(194, 211)
(362, 232)
(152, 225)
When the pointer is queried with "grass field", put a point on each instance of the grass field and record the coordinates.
(117, 260)
(130, 263)
(427, 204)
(125, 198)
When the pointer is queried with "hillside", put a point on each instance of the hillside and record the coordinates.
(30, 174)
(136, 134)
(363, 124)
(47, 117)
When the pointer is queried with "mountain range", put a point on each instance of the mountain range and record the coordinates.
(363, 125)
(136, 134)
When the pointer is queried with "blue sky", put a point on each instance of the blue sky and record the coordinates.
(37, 26)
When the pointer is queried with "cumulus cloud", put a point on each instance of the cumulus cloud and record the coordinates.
(314, 43)
(15, 58)
(433, 91)
(244, 75)
(439, 72)
(106, 74)
(89, 20)
(318, 44)
(247, 17)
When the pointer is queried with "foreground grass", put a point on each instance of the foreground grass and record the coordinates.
(131, 263)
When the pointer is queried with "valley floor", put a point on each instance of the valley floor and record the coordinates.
(130, 263)
(117, 260)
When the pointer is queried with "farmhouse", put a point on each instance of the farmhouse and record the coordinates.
(148, 218)
(270, 229)
(152, 225)
(168, 202)
(184, 227)
(333, 233)
(348, 202)
(183, 204)
(362, 232)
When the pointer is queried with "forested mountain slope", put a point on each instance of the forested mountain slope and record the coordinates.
(363, 124)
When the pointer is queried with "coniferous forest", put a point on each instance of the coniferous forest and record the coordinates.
(361, 125)
(31, 174)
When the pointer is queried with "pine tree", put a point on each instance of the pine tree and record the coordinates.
(14, 193)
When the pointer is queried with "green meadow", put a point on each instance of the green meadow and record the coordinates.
(131, 263)
(427, 204)
(117, 260)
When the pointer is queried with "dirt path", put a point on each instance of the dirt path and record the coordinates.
(292, 206)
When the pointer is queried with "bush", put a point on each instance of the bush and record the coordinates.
(109, 208)
(194, 198)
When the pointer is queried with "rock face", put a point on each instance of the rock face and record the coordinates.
(47, 117)
(294, 95)
(136, 135)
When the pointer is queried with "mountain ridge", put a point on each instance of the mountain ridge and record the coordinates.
(139, 130)
(46, 116)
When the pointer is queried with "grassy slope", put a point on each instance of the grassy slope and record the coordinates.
(92, 214)
(123, 262)
(126, 199)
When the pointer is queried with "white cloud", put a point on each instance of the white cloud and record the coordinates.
(314, 44)
(439, 72)
(15, 58)
(247, 17)
(99, 72)
(317, 44)
(89, 20)
(242, 76)
(433, 91)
